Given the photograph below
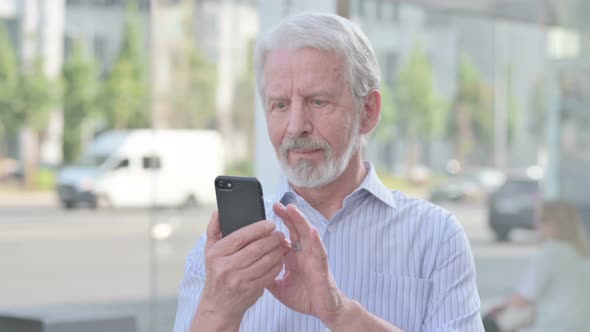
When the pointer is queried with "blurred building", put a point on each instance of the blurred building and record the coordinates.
(36, 28)
(495, 45)
(227, 30)
(99, 25)
(222, 30)
(515, 45)
(396, 29)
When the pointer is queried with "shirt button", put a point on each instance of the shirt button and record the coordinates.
(332, 228)
(327, 330)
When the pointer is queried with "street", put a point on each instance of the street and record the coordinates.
(116, 260)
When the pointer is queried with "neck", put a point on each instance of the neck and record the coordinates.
(328, 199)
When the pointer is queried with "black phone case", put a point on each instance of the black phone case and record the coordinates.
(240, 205)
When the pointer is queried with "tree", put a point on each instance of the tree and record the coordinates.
(193, 97)
(244, 103)
(9, 80)
(125, 94)
(421, 112)
(472, 112)
(386, 130)
(81, 90)
(27, 98)
(37, 98)
(513, 106)
(538, 110)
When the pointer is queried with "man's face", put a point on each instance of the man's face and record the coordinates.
(310, 114)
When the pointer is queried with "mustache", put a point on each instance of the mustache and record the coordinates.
(304, 143)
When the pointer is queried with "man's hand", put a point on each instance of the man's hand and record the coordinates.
(308, 285)
(238, 267)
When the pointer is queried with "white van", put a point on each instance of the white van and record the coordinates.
(144, 168)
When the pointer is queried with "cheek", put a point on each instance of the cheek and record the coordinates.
(275, 132)
(338, 133)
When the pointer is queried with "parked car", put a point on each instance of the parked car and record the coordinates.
(456, 188)
(143, 168)
(513, 206)
(473, 184)
(490, 179)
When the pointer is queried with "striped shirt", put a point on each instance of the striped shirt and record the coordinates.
(403, 259)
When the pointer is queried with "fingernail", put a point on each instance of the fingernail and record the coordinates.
(287, 243)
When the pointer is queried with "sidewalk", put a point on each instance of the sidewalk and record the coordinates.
(22, 198)
(152, 314)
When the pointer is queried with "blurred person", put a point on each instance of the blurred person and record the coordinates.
(360, 257)
(554, 294)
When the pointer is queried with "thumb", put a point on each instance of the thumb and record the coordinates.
(274, 287)
(213, 229)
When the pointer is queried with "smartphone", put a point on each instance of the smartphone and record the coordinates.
(239, 201)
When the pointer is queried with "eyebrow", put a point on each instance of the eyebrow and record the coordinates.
(276, 98)
(315, 94)
(319, 94)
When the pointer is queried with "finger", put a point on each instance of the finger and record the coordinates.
(268, 280)
(281, 211)
(258, 249)
(262, 266)
(213, 230)
(243, 236)
(299, 221)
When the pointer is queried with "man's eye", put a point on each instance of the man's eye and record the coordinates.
(281, 106)
(318, 102)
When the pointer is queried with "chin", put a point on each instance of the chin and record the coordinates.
(305, 174)
(308, 162)
(310, 185)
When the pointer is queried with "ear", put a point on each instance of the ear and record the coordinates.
(372, 111)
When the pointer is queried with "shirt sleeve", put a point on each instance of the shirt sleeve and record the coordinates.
(191, 287)
(454, 303)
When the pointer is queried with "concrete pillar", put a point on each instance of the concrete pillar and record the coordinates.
(553, 124)
(51, 49)
(42, 35)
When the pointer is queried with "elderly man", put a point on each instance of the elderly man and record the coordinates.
(363, 257)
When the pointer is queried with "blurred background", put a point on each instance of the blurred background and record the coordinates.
(116, 115)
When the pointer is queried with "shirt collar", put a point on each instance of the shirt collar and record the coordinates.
(371, 183)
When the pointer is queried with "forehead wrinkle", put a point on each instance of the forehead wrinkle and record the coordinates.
(279, 90)
(321, 81)
(302, 74)
(292, 82)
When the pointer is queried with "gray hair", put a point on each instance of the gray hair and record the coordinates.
(326, 32)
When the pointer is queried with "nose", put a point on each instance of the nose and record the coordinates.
(299, 121)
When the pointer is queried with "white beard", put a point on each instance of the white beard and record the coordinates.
(304, 173)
